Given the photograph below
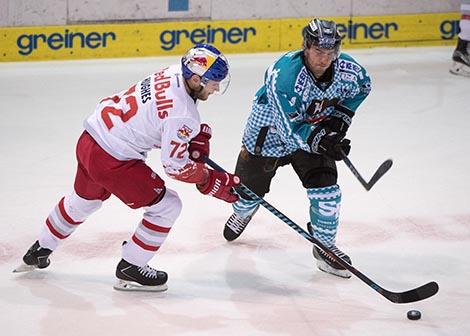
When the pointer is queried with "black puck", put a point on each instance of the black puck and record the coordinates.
(414, 314)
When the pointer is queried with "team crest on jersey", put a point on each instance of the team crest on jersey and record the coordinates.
(184, 133)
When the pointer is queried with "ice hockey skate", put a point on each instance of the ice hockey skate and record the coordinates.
(136, 278)
(326, 264)
(36, 257)
(461, 59)
(236, 224)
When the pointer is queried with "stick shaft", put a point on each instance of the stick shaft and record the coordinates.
(412, 295)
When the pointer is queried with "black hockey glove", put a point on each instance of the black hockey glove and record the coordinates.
(327, 143)
(339, 121)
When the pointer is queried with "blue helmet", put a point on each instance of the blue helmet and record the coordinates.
(205, 61)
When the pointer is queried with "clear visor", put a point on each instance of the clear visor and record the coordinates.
(217, 87)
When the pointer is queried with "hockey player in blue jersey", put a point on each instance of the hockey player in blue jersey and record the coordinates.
(300, 116)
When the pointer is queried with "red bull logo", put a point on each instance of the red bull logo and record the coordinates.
(184, 133)
(200, 60)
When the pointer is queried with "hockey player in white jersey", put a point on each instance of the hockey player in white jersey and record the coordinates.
(461, 55)
(158, 112)
(300, 117)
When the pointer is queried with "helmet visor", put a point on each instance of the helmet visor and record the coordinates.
(219, 87)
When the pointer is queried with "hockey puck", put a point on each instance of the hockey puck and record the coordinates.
(413, 314)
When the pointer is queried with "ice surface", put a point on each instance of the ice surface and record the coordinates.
(411, 228)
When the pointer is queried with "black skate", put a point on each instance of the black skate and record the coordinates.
(236, 224)
(36, 257)
(136, 278)
(461, 59)
(326, 264)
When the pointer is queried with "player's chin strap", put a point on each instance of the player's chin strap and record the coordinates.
(416, 294)
(193, 92)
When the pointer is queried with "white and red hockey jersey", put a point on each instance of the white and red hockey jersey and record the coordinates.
(157, 112)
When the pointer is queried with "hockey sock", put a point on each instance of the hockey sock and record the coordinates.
(152, 230)
(324, 212)
(68, 214)
(147, 239)
(465, 21)
(244, 207)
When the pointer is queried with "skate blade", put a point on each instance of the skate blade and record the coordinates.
(130, 286)
(24, 268)
(323, 266)
(460, 69)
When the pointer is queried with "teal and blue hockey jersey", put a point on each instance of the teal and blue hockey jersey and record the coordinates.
(291, 103)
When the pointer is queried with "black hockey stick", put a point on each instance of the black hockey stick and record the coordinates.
(384, 167)
(413, 295)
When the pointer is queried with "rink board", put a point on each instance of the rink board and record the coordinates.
(231, 36)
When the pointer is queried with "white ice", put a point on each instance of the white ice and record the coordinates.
(411, 228)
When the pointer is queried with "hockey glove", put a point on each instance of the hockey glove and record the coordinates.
(327, 143)
(220, 185)
(199, 147)
(339, 121)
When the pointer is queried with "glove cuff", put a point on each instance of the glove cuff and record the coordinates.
(314, 139)
(345, 115)
(206, 131)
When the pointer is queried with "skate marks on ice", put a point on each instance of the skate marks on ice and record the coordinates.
(252, 286)
(9, 252)
(231, 292)
(276, 292)
(101, 244)
(263, 233)
(60, 298)
(450, 228)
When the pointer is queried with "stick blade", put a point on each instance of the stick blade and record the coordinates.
(381, 171)
(417, 294)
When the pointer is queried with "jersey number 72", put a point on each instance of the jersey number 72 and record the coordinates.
(125, 116)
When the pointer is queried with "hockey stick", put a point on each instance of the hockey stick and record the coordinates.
(384, 167)
(413, 295)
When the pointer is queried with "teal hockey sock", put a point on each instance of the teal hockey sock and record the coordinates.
(324, 212)
(244, 207)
